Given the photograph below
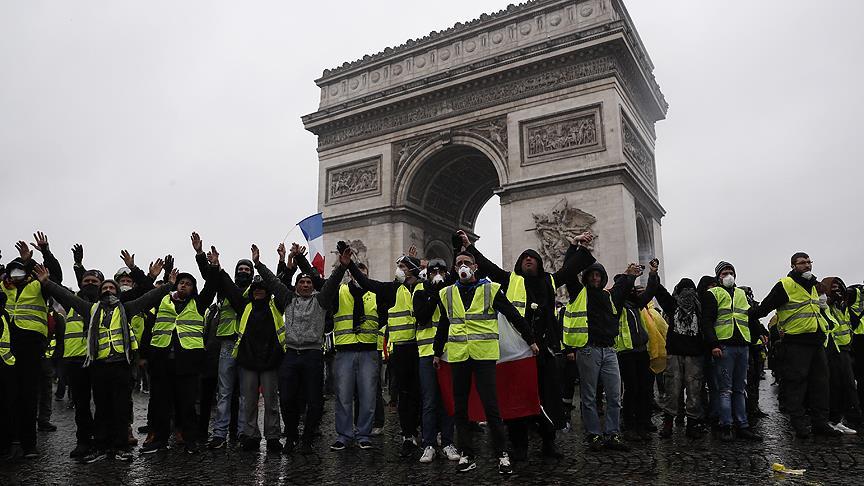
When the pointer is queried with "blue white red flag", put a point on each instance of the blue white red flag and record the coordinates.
(313, 230)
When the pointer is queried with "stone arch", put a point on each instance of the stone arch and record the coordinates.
(644, 241)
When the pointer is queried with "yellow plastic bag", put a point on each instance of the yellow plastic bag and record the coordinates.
(780, 468)
(656, 327)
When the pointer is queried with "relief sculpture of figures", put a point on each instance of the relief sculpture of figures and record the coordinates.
(556, 230)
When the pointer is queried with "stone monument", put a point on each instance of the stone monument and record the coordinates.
(550, 104)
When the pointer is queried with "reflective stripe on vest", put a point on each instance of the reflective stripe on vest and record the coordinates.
(5, 342)
(52, 345)
(401, 325)
(343, 320)
(624, 341)
(857, 308)
(516, 293)
(74, 338)
(576, 321)
(473, 333)
(278, 323)
(841, 332)
(189, 325)
(28, 310)
(111, 337)
(426, 333)
(731, 311)
(801, 313)
(228, 322)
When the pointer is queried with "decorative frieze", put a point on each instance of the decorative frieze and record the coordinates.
(636, 150)
(354, 181)
(566, 134)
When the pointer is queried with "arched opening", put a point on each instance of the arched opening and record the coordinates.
(644, 242)
(488, 228)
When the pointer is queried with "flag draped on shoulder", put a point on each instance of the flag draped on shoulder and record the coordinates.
(313, 230)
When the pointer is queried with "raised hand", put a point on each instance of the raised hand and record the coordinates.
(41, 272)
(197, 245)
(169, 264)
(256, 254)
(345, 257)
(128, 259)
(41, 242)
(156, 267)
(280, 250)
(301, 250)
(78, 254)
(24, 251)
(412, 251)
(213, 256)
(634, 269)
(172, 277)
(654, 265)
(585, 238)
(466, 242)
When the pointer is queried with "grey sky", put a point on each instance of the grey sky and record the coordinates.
(129, 124)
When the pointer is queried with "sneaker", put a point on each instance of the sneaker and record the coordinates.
(594, 442)
(273, 445)
(615, 443)
(152, 446)
(826, 431)
(845, 429)
(747, 434)
(451, 453)
(694, 431)
(377, 431)
(80, 450)
(216, 443)
(94, 456)
(125, 456)
(365, 445)
(504, 466)
(190, 448)
(31, 453)
(46, 427)
(337, 446)
(466, 463)
(306, 448)
(408, 446)
(428, 455)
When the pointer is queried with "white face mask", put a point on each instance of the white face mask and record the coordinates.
(823, 301)
(423, 274)
(124, 288)
(17, 274)
(728, 281)
(438, 278)
(807, 275)
(465, 272)
(400, 275)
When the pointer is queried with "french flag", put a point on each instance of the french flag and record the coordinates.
(313, 230)
(515, 379)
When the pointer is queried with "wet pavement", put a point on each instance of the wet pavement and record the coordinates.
(671, 461)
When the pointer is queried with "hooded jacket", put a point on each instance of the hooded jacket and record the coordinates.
(633, 304)
(684, 336)
(603, 306)
(259, 349)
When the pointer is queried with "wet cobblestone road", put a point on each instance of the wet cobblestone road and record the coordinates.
(672, 461)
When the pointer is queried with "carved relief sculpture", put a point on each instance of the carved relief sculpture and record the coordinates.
(562, 135)
(556, 230)
(359, 179)
(636, 150)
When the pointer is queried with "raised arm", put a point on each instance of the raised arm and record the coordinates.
(305, 267)
(577, 259)
(281, 293)
(623, 286)
(650, 289)
(667, 303)
(78, 262)
(150, 299)
(327, 296)
(61, 294)
(776, 298)
(231, 292)
(494, 272)
(385, 290)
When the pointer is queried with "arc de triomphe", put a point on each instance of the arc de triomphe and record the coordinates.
(550, 104)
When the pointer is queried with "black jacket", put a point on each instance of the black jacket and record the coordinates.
(602, 310)
(778, 297)
(680, 341)
(632, 306)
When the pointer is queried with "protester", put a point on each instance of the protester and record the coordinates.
(843, 404)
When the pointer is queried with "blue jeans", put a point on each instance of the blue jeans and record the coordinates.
(434, 418)
(229, 378)
(355, 373)
(731, 378)
(599, 364)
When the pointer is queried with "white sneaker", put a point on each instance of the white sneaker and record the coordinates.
(377, 431)
(428, 455)
(451, 453)
(504, 466)
(843, 428)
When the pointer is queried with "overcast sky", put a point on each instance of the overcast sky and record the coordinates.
(130, 124)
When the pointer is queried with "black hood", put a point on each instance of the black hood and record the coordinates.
(190, 277)
(704, 282)
(517, 269)
(246, 262)
(604, 277)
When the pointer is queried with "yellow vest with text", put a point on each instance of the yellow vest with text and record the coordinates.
(278, 323)
(189, 325)
(473, 332)
(28, 310)
(800, 314)
(401, 325)
(6, 343)
(731, 312)
(74, 338)
(343, 319)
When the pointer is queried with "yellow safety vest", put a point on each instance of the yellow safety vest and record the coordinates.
(624, 341)
(473, 333)
(731, 312)
(516, 293)
(343, 320)
(28, 310)
(111, 338)
(6, 343)
(800, 314)
(278, 323)
(228, 319)
(136, 325)
(857, 308)
(74, 338)
(841, 332)
(426, 333)
(401, 325)
(576, 321)
(189, 325)
(52, 345)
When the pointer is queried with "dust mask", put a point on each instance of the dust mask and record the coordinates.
(807, 275)
(400, 275)
(823, 301)
(465, 272)
(437, 279)
(728, 281)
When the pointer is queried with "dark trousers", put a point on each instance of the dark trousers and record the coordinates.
(843, 396)
(805, 374)
(78, 378)
(754, 378)
(171, 387)
(62, 380)
(209, 384)
(301, 385)
(112, 391)
(636, 378)
(378, 420)
(483, 372)
(8, 392)
(405, 364)
(46, 385)
(28, 372)
(568, 371)
(858, 363)
(551, 415)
